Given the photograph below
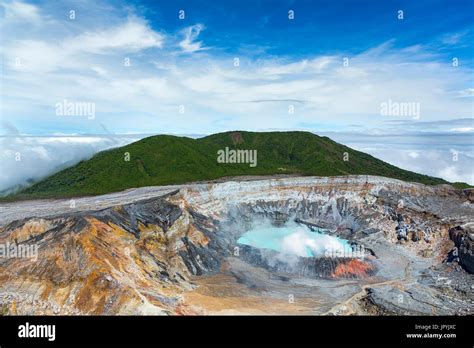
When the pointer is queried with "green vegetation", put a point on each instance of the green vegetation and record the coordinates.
(462, 185)
(164, 160)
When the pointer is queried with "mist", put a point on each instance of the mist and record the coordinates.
(25, 160)
(291, 241)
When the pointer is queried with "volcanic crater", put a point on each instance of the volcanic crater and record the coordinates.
(182, 249)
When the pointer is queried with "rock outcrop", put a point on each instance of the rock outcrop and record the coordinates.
(174, 250)
(463, 238)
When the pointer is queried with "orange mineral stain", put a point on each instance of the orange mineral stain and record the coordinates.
(354, 267)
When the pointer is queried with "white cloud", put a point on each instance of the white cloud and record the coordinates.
(453, 38)
(27, 159)
(132, 36)
(468, 92)
(463, 129)
(89, 66)
(99, 70)
(35, 56)
(427, 155)
(73, 52)
(315, 65)
(188, 44)
(21, 11)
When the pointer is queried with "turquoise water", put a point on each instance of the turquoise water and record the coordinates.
(294, 239)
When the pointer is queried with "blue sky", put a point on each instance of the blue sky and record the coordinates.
(334, 65)
(321, 27)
